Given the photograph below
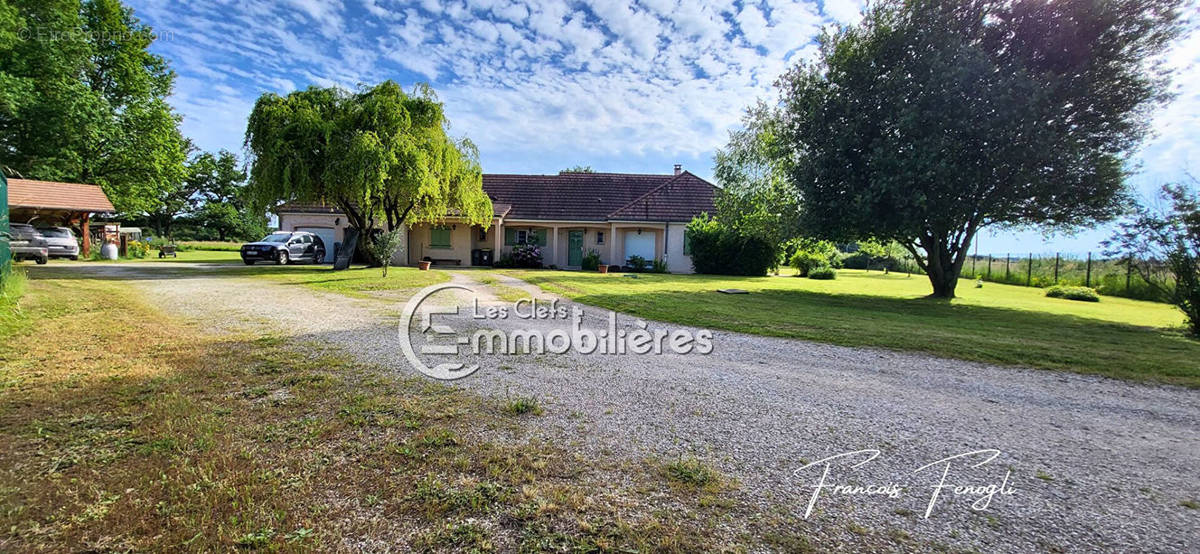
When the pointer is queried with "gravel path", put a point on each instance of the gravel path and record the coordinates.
(1096, 464)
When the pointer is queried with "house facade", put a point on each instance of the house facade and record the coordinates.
(615, 215)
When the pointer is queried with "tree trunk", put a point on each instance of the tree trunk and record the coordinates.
(944, 263)
(943, 282)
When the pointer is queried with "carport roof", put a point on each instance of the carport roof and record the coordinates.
(51, 195)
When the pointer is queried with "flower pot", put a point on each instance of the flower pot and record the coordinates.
(602, 268)
(423, 266)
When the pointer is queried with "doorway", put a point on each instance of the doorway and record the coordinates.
(574, 248)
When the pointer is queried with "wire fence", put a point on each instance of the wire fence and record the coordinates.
(1109, 276)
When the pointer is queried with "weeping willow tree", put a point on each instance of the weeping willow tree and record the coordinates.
(382, 156)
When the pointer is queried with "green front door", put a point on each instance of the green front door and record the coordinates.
(574, 248)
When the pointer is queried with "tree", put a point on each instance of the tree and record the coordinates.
(1163, 246)
(384, 244)
(578, 169)
(379, 155)
(756, 197)
(931, 120)
(82, 99)
(224, 207)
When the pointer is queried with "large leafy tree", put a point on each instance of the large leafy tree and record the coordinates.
(931, 120)
(82, 99)
(224, 208)
(382, 156)
(756, 198)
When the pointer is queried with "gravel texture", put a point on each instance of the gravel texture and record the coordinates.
(1096, 464)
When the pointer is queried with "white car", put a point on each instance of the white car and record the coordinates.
(60, 242)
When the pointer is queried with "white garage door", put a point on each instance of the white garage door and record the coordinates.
(326, 235)
(639, 245)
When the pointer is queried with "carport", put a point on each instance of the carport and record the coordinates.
(54, 203)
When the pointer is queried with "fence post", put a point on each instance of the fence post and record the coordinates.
(989, 267)
(973, 274)
(1029, 272)
(1007, 273)
(1088, 280)
(1056, 256)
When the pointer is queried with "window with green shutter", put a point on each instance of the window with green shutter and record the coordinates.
(510, 236)
(439, 237)
(539, 237)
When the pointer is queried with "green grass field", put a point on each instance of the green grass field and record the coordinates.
(1001, 324)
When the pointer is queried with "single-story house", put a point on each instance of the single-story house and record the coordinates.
(54, 203)
(616, 215)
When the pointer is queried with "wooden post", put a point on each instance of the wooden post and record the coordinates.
(1088, 279)
(1056, 256)
(1029, 272)
(87, 236)
(1007, 259)
(989, 267)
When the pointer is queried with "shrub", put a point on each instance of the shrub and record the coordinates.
(636, 264)
(864, 260)
(1083, 294)
(591, 261)
(823, 273)
(807, 260)
(720, 250)
(137, 249)
(527, 255)
(659, 265)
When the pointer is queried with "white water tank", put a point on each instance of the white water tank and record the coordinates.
(108, 251)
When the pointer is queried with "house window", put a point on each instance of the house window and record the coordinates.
(599, 237)
(687, 243)
(482, 234)
(439, 237)
(514, 237)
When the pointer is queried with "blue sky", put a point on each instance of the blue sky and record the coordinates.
(540, 86)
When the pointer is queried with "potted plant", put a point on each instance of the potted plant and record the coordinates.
(423, 265)
(602, 268)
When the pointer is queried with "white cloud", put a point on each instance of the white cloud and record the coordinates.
(844, 11)
(539, 80)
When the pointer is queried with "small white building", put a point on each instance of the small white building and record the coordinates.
(615, 215)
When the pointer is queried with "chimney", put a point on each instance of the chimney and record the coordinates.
(678, 169)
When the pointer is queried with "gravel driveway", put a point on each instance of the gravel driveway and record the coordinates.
(1095, 464)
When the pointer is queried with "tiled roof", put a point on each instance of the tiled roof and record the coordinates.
(583, 197)
(569, 196)
(306, 208)
(49, 195)
(679, 199)
(498, 209)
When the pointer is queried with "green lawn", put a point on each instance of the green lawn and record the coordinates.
(1002, 324)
